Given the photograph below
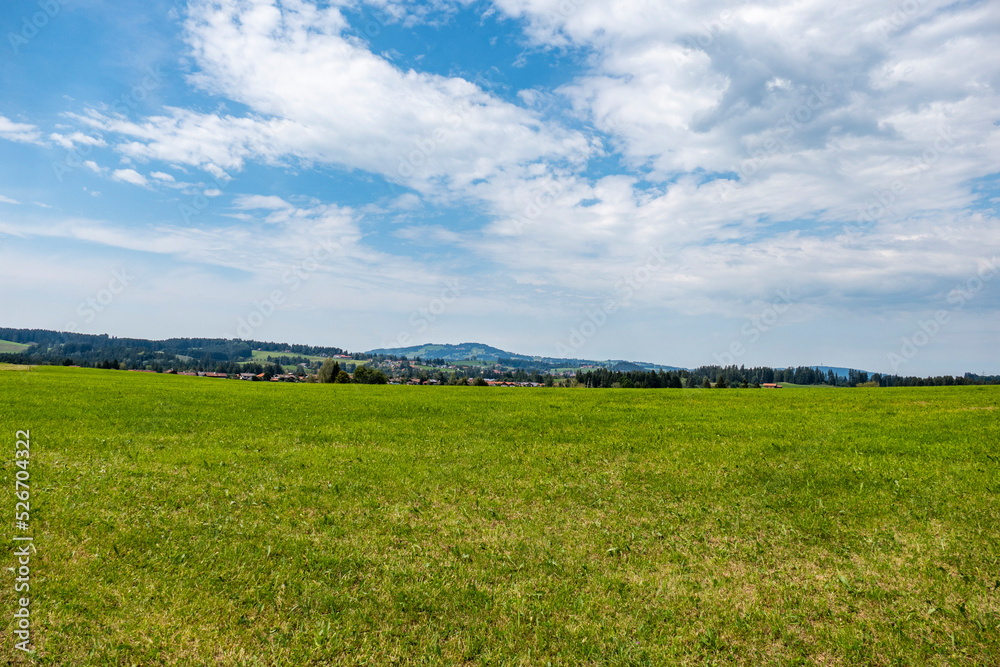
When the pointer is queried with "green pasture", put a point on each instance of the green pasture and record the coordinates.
(7, 347)
(192, 521)
(260, 356)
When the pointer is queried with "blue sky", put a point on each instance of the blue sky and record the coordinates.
(688, 183)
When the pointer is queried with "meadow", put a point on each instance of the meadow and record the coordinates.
(260, 356)
(7, 347)
(192, 521)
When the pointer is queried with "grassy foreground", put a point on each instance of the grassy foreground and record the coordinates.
(188, 521)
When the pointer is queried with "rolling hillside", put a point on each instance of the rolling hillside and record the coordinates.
(7, 347)
(452, 352)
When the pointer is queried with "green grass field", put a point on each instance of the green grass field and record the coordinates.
(188, 521)
(7, 347)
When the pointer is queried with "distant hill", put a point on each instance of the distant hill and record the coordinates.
(45, 346)
(482, 352)
(452, 352)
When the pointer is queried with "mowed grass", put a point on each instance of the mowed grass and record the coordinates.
(189, 521)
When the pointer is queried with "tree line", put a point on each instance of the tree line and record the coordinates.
(55, 347)
(739, 376)
(331, 373)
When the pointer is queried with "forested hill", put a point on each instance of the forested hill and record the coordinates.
(449, 352)
(480, 352)
(86, 349)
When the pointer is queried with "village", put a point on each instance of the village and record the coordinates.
(292, 377)
(302, 376)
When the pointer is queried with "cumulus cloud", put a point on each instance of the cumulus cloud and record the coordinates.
(751, 91)
(762, 137)
(838, 148)
(319, 95)
(129, 176)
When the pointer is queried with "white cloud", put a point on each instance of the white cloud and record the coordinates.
(20, 132)
(8, 200)
(130, 176)
(77, 138)
(320, 96)
(301, 247)
(816, 114)
(250, 202)
(407, 202)
(683, 88)
(819, 114)
(430, 235)
(211, 142)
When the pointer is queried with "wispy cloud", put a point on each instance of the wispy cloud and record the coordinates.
(76, 139)
(251, 202)
(20, 132)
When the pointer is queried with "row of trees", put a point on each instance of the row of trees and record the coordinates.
(53, 347)
(301, 350)
(605, 378)
(739, 376)
(331, 373)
